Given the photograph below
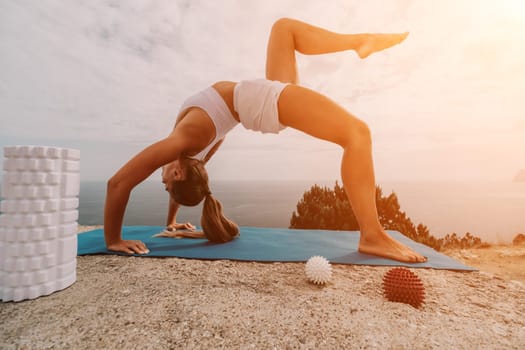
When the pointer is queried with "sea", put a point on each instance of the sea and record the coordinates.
(493, 211)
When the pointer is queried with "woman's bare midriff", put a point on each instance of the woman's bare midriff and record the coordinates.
(225, 89)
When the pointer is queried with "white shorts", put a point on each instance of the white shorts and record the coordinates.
(256, 103)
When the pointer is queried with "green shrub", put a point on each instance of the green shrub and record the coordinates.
(326, 209)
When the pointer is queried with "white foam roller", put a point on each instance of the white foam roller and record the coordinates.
(9, 264)
(66, 269)
(29, 234)
(33, 292)
(2, 281)
(35, 262)
(53, 178)
(39, 152)
(18, 177)
(9, 235)
(39, 178)
(35, 206)
(20, 235)
(9, 151)
(70, 184)
(18, 279)
(7, 293)
(16, 191)
(72, 154)
(4, 220)
(10, 221)
(68, 229)
(6, 206)
(54, 152)
(50, 232)
(24, 178)
(66, 281)
(71, 166)
(67, 249)
(51, 191)
(5, 189)
(24, 263)
(12, 264)
(38, 221)
(21, 293)
(30, 248)
(45, 275)
(52, 205)
(23, 206)
(11, 250)
(20, 220)
(45, 247)
(10, 191)
(24, 151)
(26, 279)
(68, 216)
(12, 177)
(47, 219)
(30, 164)
(49, 260)
(11, 206)
(36, 234)
(48, 165)
(28, 206)
(27, 249)
(19, 164)
(9, 164)
(69, 203)
(31, 192)
(48, 288)
(14, 221)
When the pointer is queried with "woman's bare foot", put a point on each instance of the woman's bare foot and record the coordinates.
(381, 244)
(377, 42)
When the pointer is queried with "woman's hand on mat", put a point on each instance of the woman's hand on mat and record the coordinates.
(184, 226)
(130, 247)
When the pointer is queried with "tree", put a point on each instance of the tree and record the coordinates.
(324, 208)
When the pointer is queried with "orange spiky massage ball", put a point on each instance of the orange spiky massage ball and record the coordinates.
(403, 286)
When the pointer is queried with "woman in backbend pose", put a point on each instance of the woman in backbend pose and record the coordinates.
(267, 106)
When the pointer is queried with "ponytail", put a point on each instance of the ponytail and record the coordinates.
(216, 227)
(191, 191)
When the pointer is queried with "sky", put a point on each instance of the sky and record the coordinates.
(108, 77)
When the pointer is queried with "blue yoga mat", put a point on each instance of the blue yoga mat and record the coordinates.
(267, 245)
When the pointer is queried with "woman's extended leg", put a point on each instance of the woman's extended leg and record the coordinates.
(288, 35)
(316, 115)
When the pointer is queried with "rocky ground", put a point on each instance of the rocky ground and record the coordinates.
(169, 303)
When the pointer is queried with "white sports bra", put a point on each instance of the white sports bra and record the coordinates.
(212, 103)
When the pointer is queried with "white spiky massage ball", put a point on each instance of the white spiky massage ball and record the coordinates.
(318, 270)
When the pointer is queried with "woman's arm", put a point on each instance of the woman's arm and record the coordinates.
(171, 222)
(120, 185)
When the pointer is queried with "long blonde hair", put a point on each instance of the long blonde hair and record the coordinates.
(191, 191)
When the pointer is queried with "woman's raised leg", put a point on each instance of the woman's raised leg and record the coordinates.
(316, 115)
(289, 35)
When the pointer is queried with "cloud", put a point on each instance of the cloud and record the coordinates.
(115, 72)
